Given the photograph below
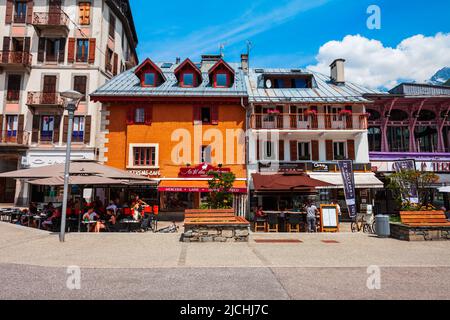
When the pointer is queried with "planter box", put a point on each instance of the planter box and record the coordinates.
(407, 233)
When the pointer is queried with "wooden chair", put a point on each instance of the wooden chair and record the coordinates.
(293, 222)
(272, 222)
(260, 223)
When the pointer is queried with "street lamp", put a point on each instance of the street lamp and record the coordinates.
(72, 99)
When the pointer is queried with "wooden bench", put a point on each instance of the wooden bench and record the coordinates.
(222, 221)
(208, 213)
(424, 219)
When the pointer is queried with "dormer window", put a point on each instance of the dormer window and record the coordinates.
(221, 80)
(221, 75)
(150, 74)
(188, 79)
(149, 79)
(188, 74)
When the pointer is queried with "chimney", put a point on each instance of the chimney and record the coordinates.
(244, 62)
(177, 60)
(337, 71)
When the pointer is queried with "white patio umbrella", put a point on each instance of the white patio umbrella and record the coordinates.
(444, 189)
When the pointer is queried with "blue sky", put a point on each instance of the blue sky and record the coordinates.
(285, 33)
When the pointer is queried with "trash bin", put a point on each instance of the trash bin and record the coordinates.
(382, 227)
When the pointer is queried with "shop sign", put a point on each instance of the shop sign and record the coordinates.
(431, 166)
(320, 167)
(348, 177)
(200, 171)
(146, 173)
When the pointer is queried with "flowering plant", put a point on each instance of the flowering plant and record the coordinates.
(345, 113)
(273, 111)
(310, 112)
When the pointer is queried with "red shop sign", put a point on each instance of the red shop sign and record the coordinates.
(200, 171)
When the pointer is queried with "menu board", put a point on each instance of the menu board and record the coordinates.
(329, 221)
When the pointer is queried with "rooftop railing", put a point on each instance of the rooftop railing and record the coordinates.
(312, 121)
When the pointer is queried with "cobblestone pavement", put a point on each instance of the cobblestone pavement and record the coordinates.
(33, 264)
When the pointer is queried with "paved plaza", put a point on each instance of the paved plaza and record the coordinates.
(33, 265)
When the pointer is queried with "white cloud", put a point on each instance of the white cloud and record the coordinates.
(370, 63)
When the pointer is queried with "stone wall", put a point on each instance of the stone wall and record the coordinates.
(216, 234)
(403, 232)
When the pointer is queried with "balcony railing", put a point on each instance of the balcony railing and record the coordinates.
(12, 95)
(316, 121)
(15, 58)
(36, 98)
(14, 137)
(53, 19)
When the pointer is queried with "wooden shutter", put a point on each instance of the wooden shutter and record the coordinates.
(87, 129)
(215, 115)
(293, 150)
(293, 116)
(56, 129)
(27, 44)
(41, 50)
(1, 127)
(130, 115)
(279, 117)
(196, 114)
(116, 63)
(6, 42)
(92, 44)
(148, 115)
(315, 150)
(65, 128)
(62, 50)
(329, 150)
(30, 5)
(257, 149)
(258, 117)
(35, 129)
(71, 51)
(20, 129)
(9, 11)
(351, 149)
(281, 150)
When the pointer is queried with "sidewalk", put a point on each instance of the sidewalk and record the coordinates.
(19, 245)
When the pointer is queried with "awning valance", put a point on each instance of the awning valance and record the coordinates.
(286, 182)
(362, 180)
(196, 186)
(77, 180)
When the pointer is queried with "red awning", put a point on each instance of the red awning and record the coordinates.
(196, 186)
(286, 182)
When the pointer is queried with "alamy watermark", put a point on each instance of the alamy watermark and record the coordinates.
(374, 280)
(73, 281)
(374, 20)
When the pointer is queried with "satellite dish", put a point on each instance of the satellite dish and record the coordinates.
(268, 83)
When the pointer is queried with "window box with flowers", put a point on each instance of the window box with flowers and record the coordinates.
(345, 113)
(310, 113)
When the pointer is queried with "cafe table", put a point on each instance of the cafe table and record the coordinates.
(88, 224)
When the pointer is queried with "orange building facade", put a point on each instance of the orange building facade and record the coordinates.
(174, 123)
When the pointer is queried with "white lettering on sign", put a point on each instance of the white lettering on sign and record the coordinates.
(146, 173)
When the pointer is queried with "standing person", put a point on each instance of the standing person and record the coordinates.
(338, 208)
(311, 211)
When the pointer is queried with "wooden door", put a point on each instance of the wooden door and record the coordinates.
(54, 12)
(49, 90)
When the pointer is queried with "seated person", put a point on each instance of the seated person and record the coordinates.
(50, 221)
(259, 214)
(111, 219)
(91, 216)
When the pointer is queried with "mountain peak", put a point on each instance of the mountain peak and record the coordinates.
(441, 77)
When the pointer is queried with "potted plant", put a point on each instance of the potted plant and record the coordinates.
(345, 113)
